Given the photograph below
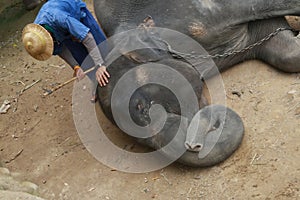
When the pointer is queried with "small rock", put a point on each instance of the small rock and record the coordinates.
(146, 190)
(4, 107)
(291, 95)
(297, 112)
(292, 92)
(31, 187)
(35, 108)
(14, 136)
(197, 177)
(17, 195)
(4, 171)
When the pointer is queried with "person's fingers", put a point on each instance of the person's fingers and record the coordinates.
(106, 73)
(78, 77)
(102, 76)
(80, 74)
(99, 79)
(105, 78)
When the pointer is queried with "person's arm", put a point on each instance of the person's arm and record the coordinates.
(101, 74)
(67, 56)
(82, 33)
(90, 44)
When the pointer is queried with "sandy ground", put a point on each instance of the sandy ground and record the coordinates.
(38, 139)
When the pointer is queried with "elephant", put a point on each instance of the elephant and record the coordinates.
(229, 31)
(31, 4)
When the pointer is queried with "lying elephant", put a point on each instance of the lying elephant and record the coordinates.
(227, 30)
(31, 4)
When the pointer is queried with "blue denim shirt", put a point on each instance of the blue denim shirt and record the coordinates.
(63, 16)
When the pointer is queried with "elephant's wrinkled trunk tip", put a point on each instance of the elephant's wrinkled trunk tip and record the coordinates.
(193, 147)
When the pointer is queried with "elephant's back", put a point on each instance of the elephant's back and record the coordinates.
(176, 15)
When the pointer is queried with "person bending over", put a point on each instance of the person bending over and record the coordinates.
(67, 28)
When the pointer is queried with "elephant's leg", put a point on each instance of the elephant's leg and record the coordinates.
(282, 51)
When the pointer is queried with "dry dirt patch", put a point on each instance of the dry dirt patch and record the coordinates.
(266, 166)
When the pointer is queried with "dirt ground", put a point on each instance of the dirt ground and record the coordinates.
(38, 138)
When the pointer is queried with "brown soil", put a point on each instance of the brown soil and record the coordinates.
(266, 166)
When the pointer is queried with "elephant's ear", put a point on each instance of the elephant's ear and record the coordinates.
(141, 45)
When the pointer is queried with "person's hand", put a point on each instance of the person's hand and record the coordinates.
(102, 76)
(79, 73)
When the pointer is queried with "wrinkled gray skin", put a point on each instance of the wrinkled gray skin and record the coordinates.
(31, 4)
(219, 26)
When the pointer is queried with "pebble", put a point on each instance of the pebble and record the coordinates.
(291, 95)
(4, 171)
(197, 177)
(297, 112)
(292, 92)
(31, 187)
(146, 190)
(5, 194)
(11, 182)
(35, 108)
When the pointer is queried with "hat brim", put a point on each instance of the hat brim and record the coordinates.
(44, 37)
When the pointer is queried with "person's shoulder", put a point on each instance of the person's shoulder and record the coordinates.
(51, 17)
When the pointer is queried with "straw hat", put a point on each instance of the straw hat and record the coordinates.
(37, 41)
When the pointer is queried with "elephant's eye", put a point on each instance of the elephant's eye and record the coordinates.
(215, 126)
(139, 106)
